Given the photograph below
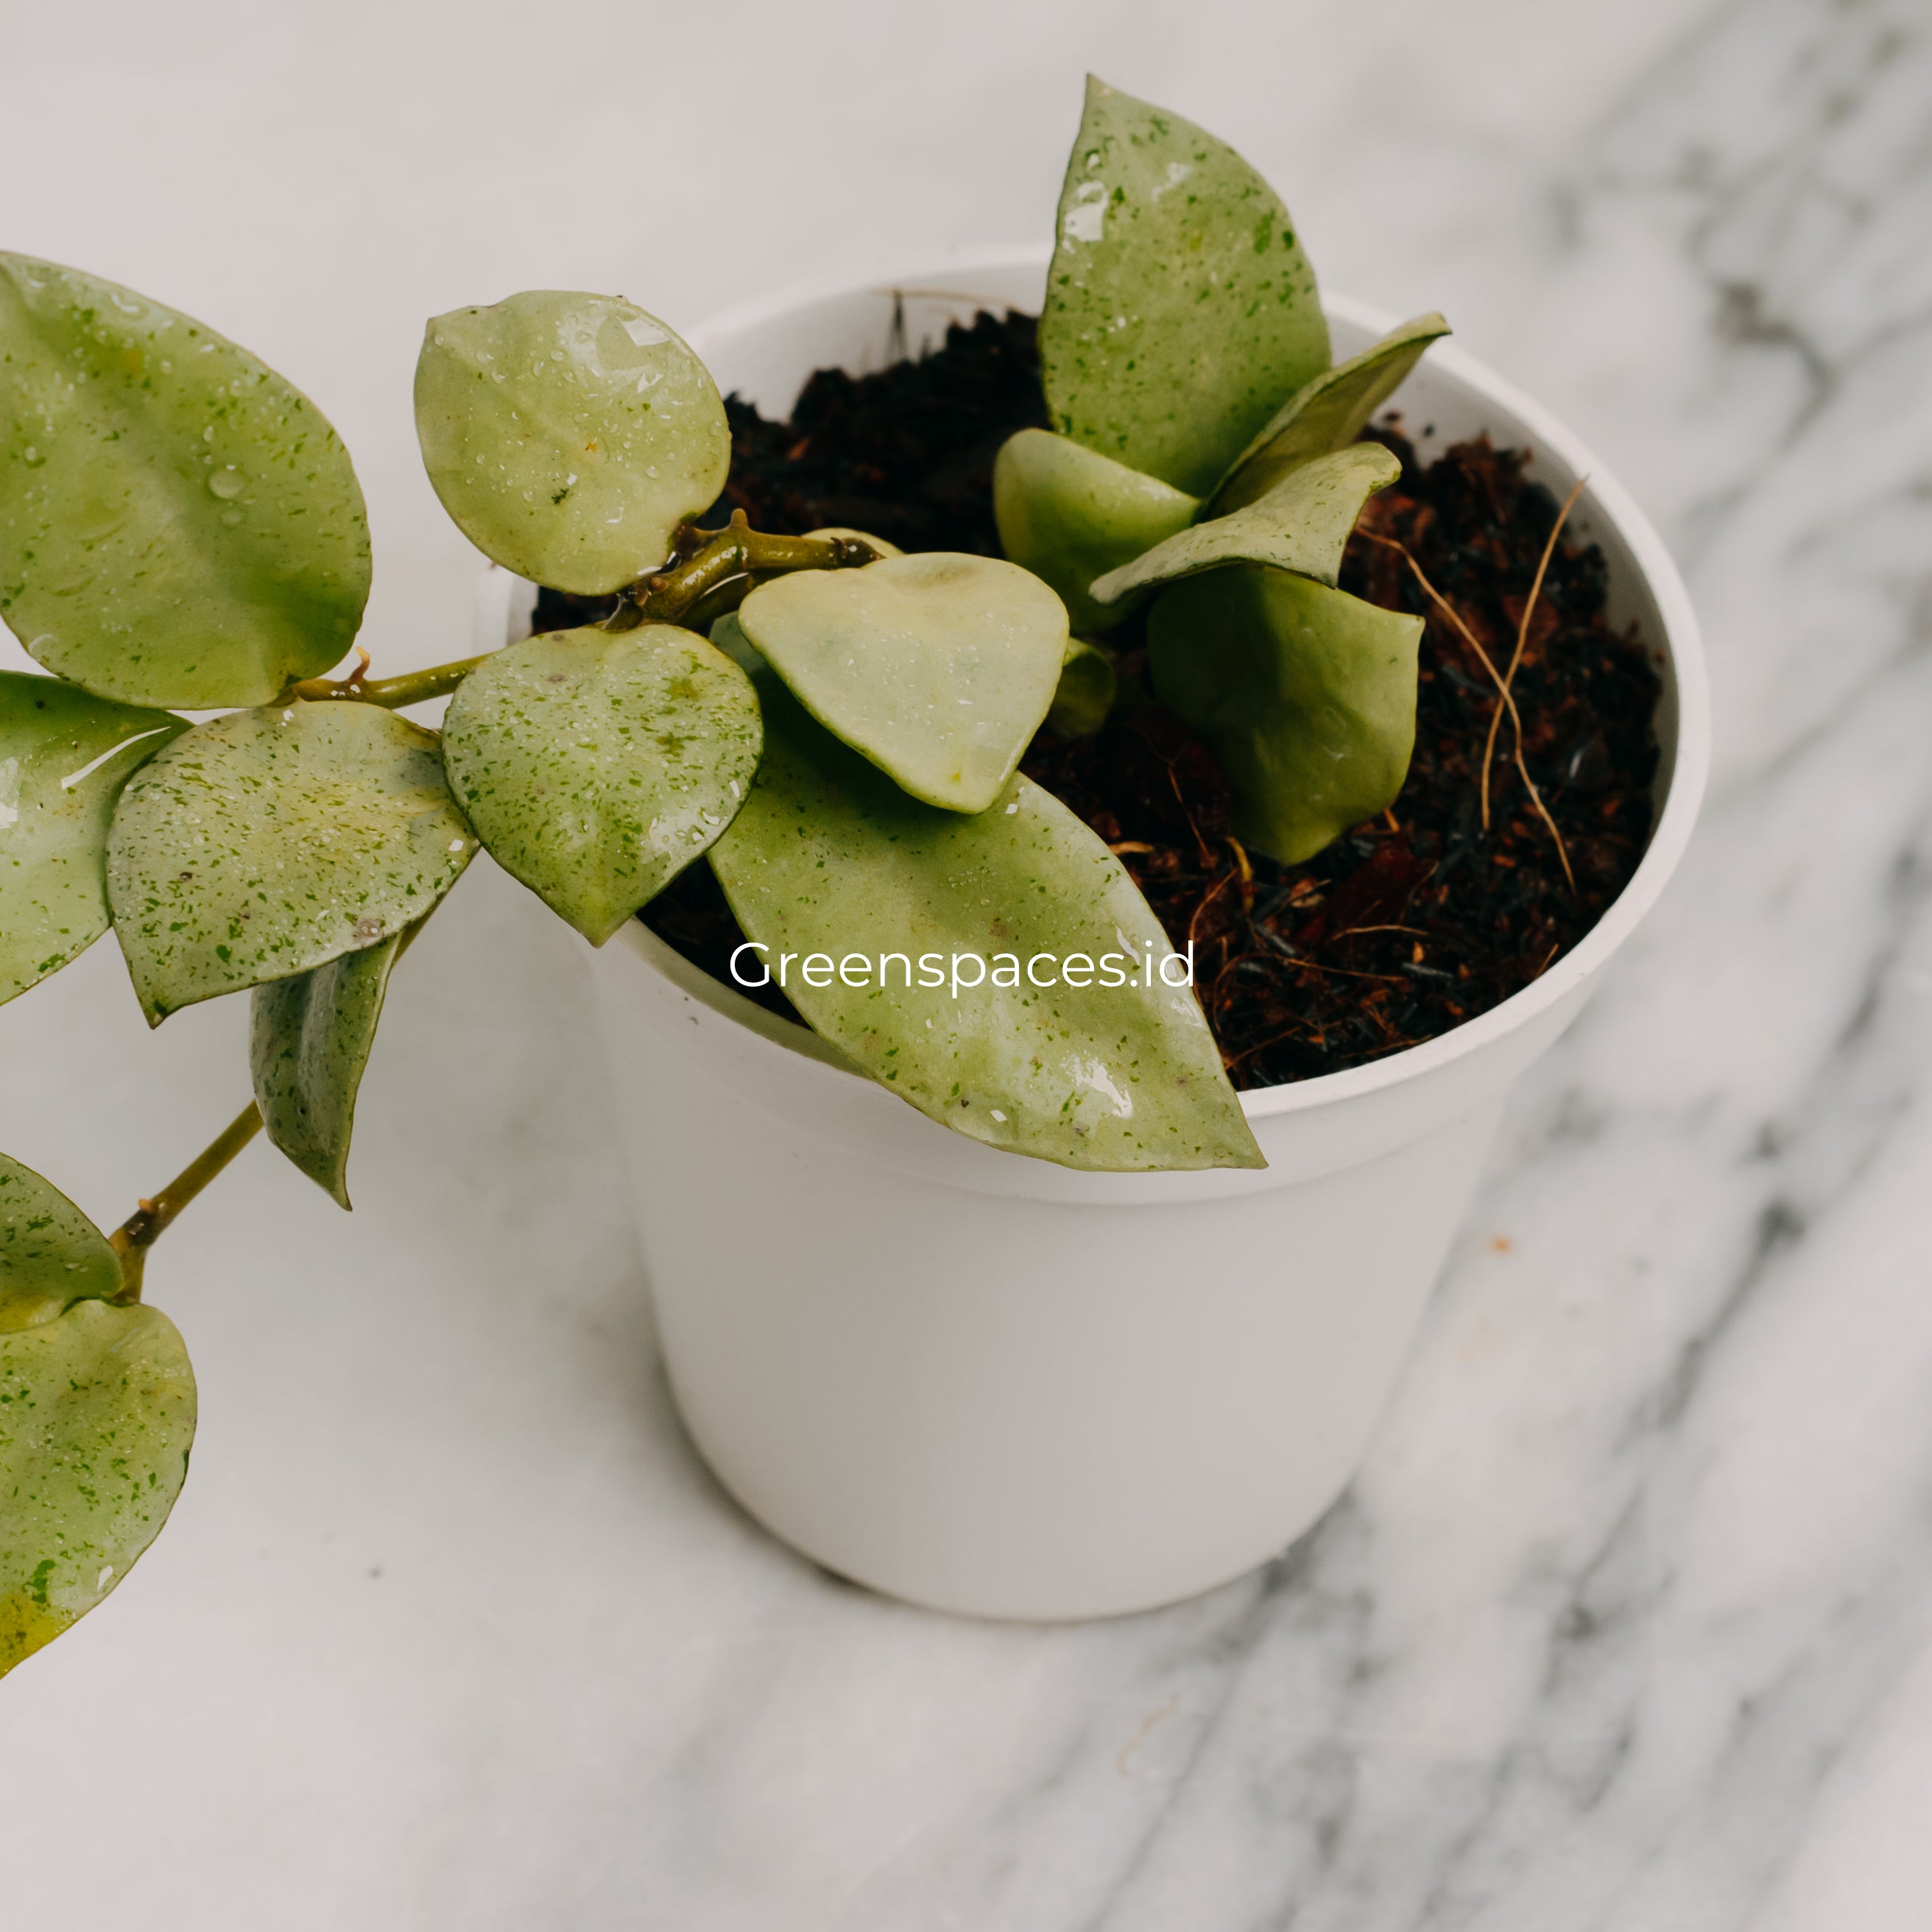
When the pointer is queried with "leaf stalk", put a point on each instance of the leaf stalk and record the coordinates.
(149, 1221)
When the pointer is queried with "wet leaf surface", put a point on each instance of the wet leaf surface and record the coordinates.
(51, 1255)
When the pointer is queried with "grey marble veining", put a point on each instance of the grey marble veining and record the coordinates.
(1626, 1625)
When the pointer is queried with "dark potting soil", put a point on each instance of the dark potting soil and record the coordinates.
(1406, 926)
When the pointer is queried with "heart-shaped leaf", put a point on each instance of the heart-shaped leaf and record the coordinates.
(64, 755)
(938, 667)
(1069, 516)
(309, 1039)
(1307, 695)
(97, 1417)
(1328, 413)
(595, 765)
(1302, 525)
(1085, 693)
(1180, 310)
(269, 842)
(830, 862)
(177, 525)
(51, 1255)
(569, 435)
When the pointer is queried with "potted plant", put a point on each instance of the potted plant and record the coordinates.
(1081, 1327)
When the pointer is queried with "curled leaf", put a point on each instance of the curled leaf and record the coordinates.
(65, 754)
(595, 765)
(178, 525)
(569, 435)
(1327, 413)
(269, 842)
(1306, 695)
(829, 863)
(97, 1417)
(1085, 693)
(1302, 525)
(51, 1255)
(938, 667)
(1069, 516)
(1180, 309)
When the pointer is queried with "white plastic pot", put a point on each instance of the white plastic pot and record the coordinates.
(992, 1385)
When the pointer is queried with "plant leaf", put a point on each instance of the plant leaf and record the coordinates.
(569, 435)
(309, 1040)
(269, 842)
(938, 667)
(64, 755)
(51, 1255)
(829, 857)
(1327, 413)
(97, 1417)
(1085, 693)
(1180, 309)
(1307, 695)
(178, 525)
(595, 765)
(1302, 525)
(1069, 516)
(879, 543)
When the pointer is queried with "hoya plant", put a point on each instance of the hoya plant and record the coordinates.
(836, 728)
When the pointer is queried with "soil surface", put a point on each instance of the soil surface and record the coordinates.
(1408, 926)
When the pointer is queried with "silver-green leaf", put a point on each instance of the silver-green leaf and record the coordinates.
(595, 765)
(269, 842)
(938, 667)
(178, 525)
(830, 861)
(1306, 695)
(51, 1255)
(65, 754)
(1302, 525)
(569, 435)
(1069, 516)
(1180, 311)
(1085, 693)
(1327, 413)
(97, 1418)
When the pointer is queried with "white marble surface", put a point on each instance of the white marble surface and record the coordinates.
(1626, 1623)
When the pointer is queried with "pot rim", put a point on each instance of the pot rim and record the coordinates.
(1603, 494)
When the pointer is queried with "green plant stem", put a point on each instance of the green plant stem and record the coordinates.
(143, 1227)
(718, 569)
(392, 693)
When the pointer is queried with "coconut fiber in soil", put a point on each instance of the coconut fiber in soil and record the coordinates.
(1407, 925)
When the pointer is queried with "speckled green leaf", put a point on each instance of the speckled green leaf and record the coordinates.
(64, 755)
(97, 1417)
(1302, 525)
(829, 858)
(1306, 695)
(569, 435)
(51, 1255)
(938, 667)
(595, 765)
(1085, 693)
(269, 842)
(1327, 413)
(1180, 312)
(177, 525)
(1069, 516)
(309, 1039)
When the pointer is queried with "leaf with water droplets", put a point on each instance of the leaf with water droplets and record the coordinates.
(1069, 516)
(938, 667)
(97, 1418)
(1302, 524)
(178, 525)
(1180, 309)
(569, 435)
(51, 1255)
(830, 862)
(1327, 413)
(1307, 695)
(595, 765)
(65, 754)
(269, 842)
